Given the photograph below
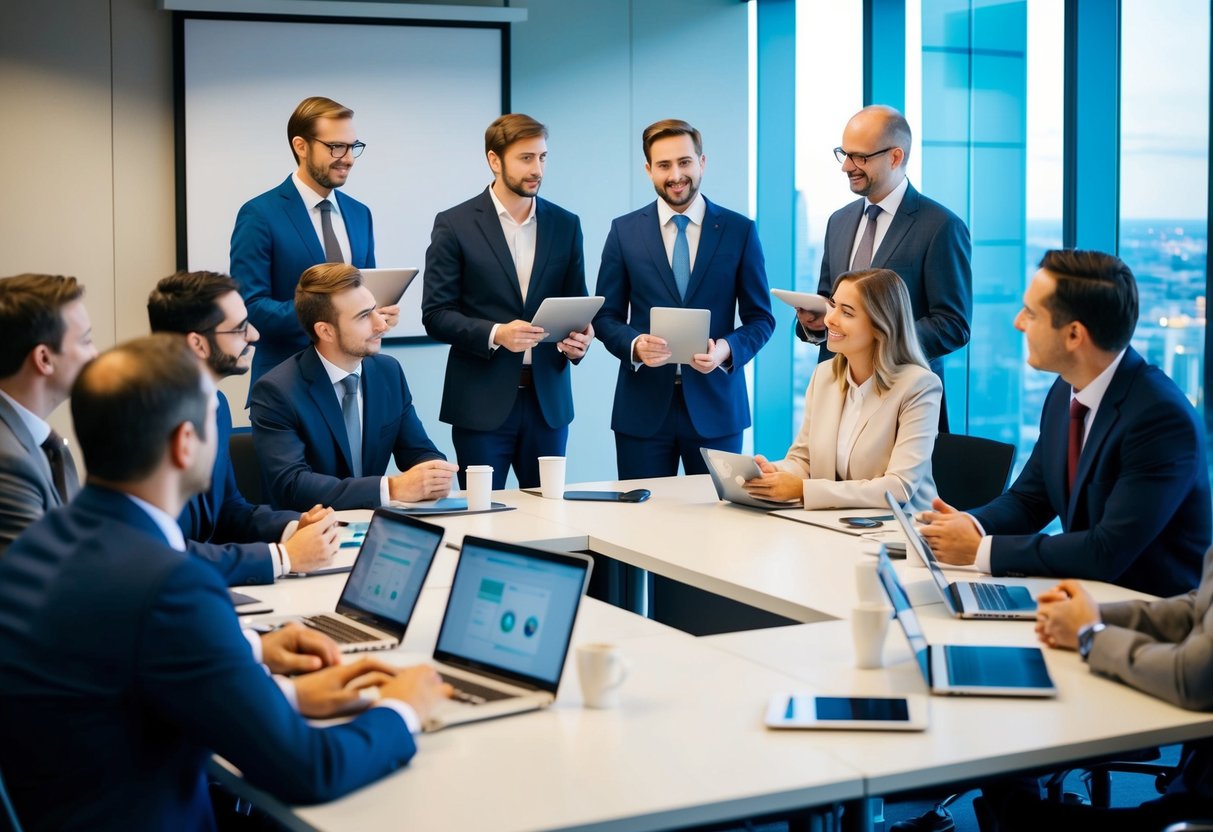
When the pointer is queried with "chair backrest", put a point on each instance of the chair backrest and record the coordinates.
(244, 464)
(970, 470)
(8, 816)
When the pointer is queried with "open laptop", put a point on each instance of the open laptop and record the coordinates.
(729, 472)
(966, 599)
(506, 630)
(382, 589)
(963, 669)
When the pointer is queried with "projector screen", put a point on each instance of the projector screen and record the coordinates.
(422, 96)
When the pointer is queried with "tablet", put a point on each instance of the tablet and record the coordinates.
(853, 713)
(803, 300)
(560, 316)
(685, 330)
(387, 285)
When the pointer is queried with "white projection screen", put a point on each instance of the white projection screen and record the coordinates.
(422, 97)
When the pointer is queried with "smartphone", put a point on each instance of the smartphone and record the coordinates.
(863, 713)
(636, 495)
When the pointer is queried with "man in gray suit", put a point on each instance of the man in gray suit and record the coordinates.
(47, 340)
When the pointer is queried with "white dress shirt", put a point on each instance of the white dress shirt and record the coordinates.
(851, 407)
(310, 200)
(336, 375)
(520, 239)
(888, 210)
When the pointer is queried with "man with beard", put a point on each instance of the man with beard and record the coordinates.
(681, 251)
(207, 309)
(302, 222)
(895, 227)
(491, 262)
(327, 420)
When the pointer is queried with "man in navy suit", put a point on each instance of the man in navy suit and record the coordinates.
(681, 251)
(302, 222)
(1121, 453)
(207, 309)
(122, 665)
(925, 243)
(327, 421)
(491, 262)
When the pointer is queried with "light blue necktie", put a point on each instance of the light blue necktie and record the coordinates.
(682, 256)
(353, 425)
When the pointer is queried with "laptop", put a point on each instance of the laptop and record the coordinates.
(966, 599)
(963, 669)
(379, 595)
(730, 471)
(506, 630)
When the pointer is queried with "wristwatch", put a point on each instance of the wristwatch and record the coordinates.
(1086, 638)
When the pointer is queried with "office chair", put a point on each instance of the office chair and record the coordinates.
(244, 464)
(8, 815)
(970, 471)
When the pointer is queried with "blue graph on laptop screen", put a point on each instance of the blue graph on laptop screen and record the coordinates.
(390, 569)
(512, 612)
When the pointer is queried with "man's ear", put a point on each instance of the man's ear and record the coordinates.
(199, 344)
(325, 331)
(183, 445)
(40, 358)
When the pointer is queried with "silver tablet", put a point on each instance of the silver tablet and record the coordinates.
(388, 285)
(834, 712)
(685, 330)
(560, 316)
(803, 300)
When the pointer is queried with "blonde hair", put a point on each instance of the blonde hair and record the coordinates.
(887, 302)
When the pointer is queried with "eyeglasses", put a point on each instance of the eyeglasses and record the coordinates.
(339, 149)
(860, 159)
(241, 330)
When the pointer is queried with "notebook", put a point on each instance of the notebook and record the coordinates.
(382, 589)
(966, 599)
(966, 670)
(506, 630)
(729, 472)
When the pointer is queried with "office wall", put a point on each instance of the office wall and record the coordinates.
(88, 92)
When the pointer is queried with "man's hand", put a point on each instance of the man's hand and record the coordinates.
(811, 321)
(390, 314)
(578, 343)
(774, 484)
(297, 649)
(952, 534)
(1062, 611)
(314, 545)
(718, 353)
(420, 686)
(518, 336)
(651, 351)
(314, 515)
(334, 691)
(427, 480)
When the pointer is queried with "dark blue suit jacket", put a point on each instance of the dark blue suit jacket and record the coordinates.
(729, 279)
(1140, 512)
(236, 530)
(123, 668)
(471, 284)
(301, 441)
(273, 243)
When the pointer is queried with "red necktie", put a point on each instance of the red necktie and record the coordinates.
(1078, 413)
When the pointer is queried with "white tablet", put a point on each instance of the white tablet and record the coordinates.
(560, 316)
(803, 300)
(387, 285)
(855, 713)
(685, 330)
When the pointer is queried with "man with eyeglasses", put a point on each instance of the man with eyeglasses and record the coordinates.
(895, 227)
(302, 222)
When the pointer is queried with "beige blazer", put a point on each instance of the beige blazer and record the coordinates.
(890, 448)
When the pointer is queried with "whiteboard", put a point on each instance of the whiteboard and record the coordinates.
(422, 96)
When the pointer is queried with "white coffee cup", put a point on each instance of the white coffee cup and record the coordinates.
(869, 624)
(601, 669)
(867, 584)
(551, 477)
(480, 487)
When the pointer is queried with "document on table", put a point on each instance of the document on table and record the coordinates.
(887, 533)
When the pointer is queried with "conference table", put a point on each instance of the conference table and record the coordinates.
(687, 745)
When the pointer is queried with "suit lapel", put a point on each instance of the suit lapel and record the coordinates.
(296, 212)
(840, 250)
(871, 403)
(823, 444)
(1106, 418)
(710, 235)
(543, 249)
(490, 226)
(320, 389)
(356, 234)
(650, 233)
(17, 427)
(903, 220)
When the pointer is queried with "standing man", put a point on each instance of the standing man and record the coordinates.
(206, 308)
(302, 222)
(895, 227)
(680, 251)
(491, 262)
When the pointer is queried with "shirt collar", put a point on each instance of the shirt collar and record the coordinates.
(39, 429)
(1093, 393)
(892, 202)
(335, 373)
(502, 212)
(694, 211)
(167, 525)
(310, 198)
(858, 391)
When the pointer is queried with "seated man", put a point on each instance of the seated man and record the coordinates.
(122, 664)
(327, 420)
(207, 309)
(1121, 453)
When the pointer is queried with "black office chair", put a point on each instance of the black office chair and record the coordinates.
(970, 471)
(8, 815)
(244, 464)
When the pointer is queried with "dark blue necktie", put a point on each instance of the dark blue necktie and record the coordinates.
(682, 256)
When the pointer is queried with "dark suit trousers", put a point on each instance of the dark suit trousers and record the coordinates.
(640, 457)
(520, 441)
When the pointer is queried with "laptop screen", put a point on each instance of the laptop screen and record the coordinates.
(920, 546)
(511, 611)
(903, 611)
(391, 567)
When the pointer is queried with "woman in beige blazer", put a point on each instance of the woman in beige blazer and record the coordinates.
(870, 415)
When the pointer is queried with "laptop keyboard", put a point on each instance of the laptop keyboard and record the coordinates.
(992, 596)
(338, 630)
(472, 693)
